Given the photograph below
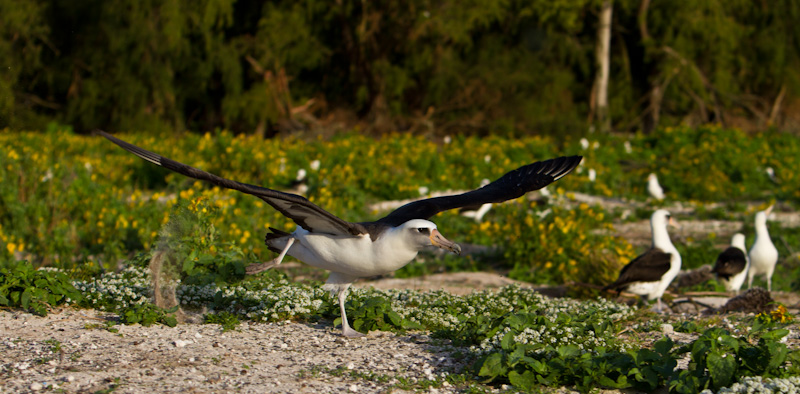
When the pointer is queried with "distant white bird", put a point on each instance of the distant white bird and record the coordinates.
(544, 192)
(314, 165)
(771, 174)
(732, 264)
(300, 182)
(584, 143)
(654, 188)
(592, 175)
(650, 274)
(763, 254)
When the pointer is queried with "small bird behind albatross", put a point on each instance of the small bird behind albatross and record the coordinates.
(356, 250)
(732, 264)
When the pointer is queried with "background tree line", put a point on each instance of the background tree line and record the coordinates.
(476, 66)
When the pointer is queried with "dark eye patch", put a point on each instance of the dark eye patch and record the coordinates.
(424, 230)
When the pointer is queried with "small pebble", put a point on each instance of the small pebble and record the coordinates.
(667, 329)
(36, 386)
(181, 343)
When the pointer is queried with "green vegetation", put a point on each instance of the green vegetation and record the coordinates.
(479, 67)
(36, 290)
(227, 320)
(82, 204)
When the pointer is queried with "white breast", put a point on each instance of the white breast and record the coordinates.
(356, 256)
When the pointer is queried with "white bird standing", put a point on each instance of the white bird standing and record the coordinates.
(654, 188)
(356, 250)
(763, 254)
(732, 264)
(649, 274)
(300, 183)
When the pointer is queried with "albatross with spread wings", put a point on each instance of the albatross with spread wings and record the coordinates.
(356, 250)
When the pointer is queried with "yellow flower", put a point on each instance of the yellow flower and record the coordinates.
(11, 247)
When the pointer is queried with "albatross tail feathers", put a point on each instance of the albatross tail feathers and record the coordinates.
(274, 233)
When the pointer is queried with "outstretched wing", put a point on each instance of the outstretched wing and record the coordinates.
(648, 267)
(510, 186)
(303, 212)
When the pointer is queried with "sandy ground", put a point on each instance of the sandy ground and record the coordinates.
(71, 351)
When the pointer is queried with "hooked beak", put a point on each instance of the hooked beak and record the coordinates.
(769, 210)
(674, 223)
(438, 240)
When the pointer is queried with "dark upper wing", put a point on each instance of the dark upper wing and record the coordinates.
(303, 212)
(648, 267)
(730, 262)
(511, 185)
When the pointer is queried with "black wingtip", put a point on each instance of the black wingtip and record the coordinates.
(559, 166)
(143, 153)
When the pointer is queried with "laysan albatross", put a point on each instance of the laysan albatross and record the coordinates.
(356, 250)
(732, 264)
(650, 274)
(763, 254)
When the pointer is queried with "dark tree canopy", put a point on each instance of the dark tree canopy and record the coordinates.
(478, 66)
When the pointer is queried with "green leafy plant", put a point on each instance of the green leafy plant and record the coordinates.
(227, 320)
(36, 290)
(375, 313)
(148, 314)
(719, 359)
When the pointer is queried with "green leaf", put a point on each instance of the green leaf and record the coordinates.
(777, 355)
(568, 351)
(395, 318)
(508, 340)
(663, 346)
(729, 342)
(721, 367)
(25, 299)
(525, 381)
(492, 366)
(170, 321)
(775, 335)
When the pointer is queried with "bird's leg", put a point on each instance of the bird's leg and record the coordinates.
(259, 267)
(346, 330)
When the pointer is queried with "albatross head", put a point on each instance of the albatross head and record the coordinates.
(421, 233)
(661, 218)
(763, 216)
(658, 225)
